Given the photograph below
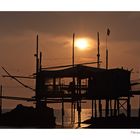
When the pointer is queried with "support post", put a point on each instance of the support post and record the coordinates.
(115, 110)
(73, 49)
(106, 58)
(92, 109)
(118, 107)
(111, 113)
(62, 112)
(128, 107)
(54, 84)
(79, 112)
(108, 33)
(139, 106)
(72, 113)
(100, 108)
(40, 62)
(1, 100)
(38, 105)
(79, 101)
(95, 108)
(98, 50)
(98, 66)
(107, 107)
(73, 91)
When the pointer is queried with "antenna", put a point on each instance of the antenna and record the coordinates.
(73, 50)
(107, 34)
(98, 50)
(36, 54)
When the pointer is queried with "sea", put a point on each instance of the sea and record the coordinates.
(85, 114)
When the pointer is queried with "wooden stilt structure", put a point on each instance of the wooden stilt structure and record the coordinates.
(77, 93)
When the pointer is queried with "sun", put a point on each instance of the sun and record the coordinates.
(82, 43)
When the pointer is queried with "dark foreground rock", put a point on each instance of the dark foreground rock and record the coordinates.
(121, 122)
(28, 117)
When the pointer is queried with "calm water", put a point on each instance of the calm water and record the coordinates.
(85, 114)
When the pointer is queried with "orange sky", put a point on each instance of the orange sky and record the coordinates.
(18, 37)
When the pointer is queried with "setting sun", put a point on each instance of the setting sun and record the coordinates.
(82, 43)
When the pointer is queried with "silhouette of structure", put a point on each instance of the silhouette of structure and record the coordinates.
(83, 83)
(111, 85)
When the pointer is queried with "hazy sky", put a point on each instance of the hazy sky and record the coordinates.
(18, 39)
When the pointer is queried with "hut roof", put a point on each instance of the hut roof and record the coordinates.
(80, 71)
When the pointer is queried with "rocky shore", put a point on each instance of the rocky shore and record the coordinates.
(28, 117)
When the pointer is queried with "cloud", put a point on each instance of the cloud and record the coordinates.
(123, 25)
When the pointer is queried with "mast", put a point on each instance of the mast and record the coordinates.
(98, 51)
(106, 58)
(98, 66)
(73, 49)
(37, 70)
(107, 100)
(40, 62)
(73, 90)
(107, 34)
(37, 54)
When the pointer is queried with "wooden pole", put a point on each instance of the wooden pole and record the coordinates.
(111, 108)
(37, 70)
(139, 106)
(92, 109)
(100, 107)
(98, 50)
(106, 58)
(73, 91)
(40, 62)
(107, 34)
(79, 102)
(73, 49)
(1, 100)
(62, 111)
(118, 107)
(106, 54)
(115, 111)
(36, 54)
(73, 63)
(128, 107)
(95, 108)
(107, 107)
(98, 66)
